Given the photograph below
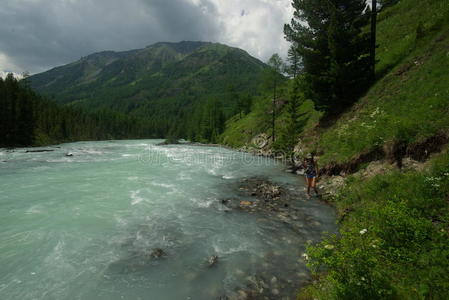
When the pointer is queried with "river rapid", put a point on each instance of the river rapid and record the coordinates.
(132, 220)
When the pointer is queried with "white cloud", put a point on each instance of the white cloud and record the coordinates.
(253, 25)
(3, 75)
(7, 66)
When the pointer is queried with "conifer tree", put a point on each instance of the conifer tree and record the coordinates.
(272, 80)
(333, 49)
(294, 61)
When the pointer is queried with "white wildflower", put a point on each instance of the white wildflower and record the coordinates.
(306, 257)
(363, 231)
(375, 112)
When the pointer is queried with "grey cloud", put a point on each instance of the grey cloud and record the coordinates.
(36, 35)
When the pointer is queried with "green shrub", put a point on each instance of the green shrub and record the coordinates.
(394, 244)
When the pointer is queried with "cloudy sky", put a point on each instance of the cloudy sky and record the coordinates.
(36, 35)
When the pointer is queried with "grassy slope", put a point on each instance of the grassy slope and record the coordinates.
(411, 101)
(404, 252)
(240, 131)
(394, 242)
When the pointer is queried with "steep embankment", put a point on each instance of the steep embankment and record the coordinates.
(406, 112)
(387, 161)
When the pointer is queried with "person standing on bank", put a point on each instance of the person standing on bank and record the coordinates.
(311, 172)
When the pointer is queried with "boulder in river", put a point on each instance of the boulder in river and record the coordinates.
(212, 261)
(157, 252)
(40, 150)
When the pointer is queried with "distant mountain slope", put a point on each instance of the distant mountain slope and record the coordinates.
(162, 82)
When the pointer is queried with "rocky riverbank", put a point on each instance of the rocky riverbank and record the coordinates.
(287, 205)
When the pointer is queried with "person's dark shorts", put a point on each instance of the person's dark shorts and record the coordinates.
(312, 175)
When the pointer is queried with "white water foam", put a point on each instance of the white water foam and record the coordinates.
(204, 204)
(164, 185)
(184, 176)
(221, 251)
(136, 199)
(35, 209)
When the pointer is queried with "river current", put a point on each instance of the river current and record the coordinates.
(86, 220)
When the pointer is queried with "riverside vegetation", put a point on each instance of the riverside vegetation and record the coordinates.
(394, 222)
(393, 241)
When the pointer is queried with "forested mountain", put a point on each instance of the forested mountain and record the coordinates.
(168, 84)
(26, 119)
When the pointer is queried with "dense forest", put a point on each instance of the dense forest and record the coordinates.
(26, 118)
(167, 84)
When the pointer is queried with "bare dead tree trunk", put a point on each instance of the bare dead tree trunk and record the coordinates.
(274, 111)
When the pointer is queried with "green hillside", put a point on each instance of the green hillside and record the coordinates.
(408, 104)
(163, 83)
(390, 151)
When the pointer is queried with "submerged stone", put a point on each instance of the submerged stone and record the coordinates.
(212, 261)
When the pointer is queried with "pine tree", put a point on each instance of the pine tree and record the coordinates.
(272, 80)
(350, 67)
(294, 61)
(293, 123)
(247, 102)
(334, 52)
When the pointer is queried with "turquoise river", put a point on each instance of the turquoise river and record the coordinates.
(83, 220)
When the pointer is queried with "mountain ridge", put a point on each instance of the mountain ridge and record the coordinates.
(161, 81)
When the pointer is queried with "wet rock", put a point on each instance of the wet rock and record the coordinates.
(69, 154)
(282, 204)
(212, 261)
(157, 253)
(300, 172)
(37, 151)
(241, 295)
